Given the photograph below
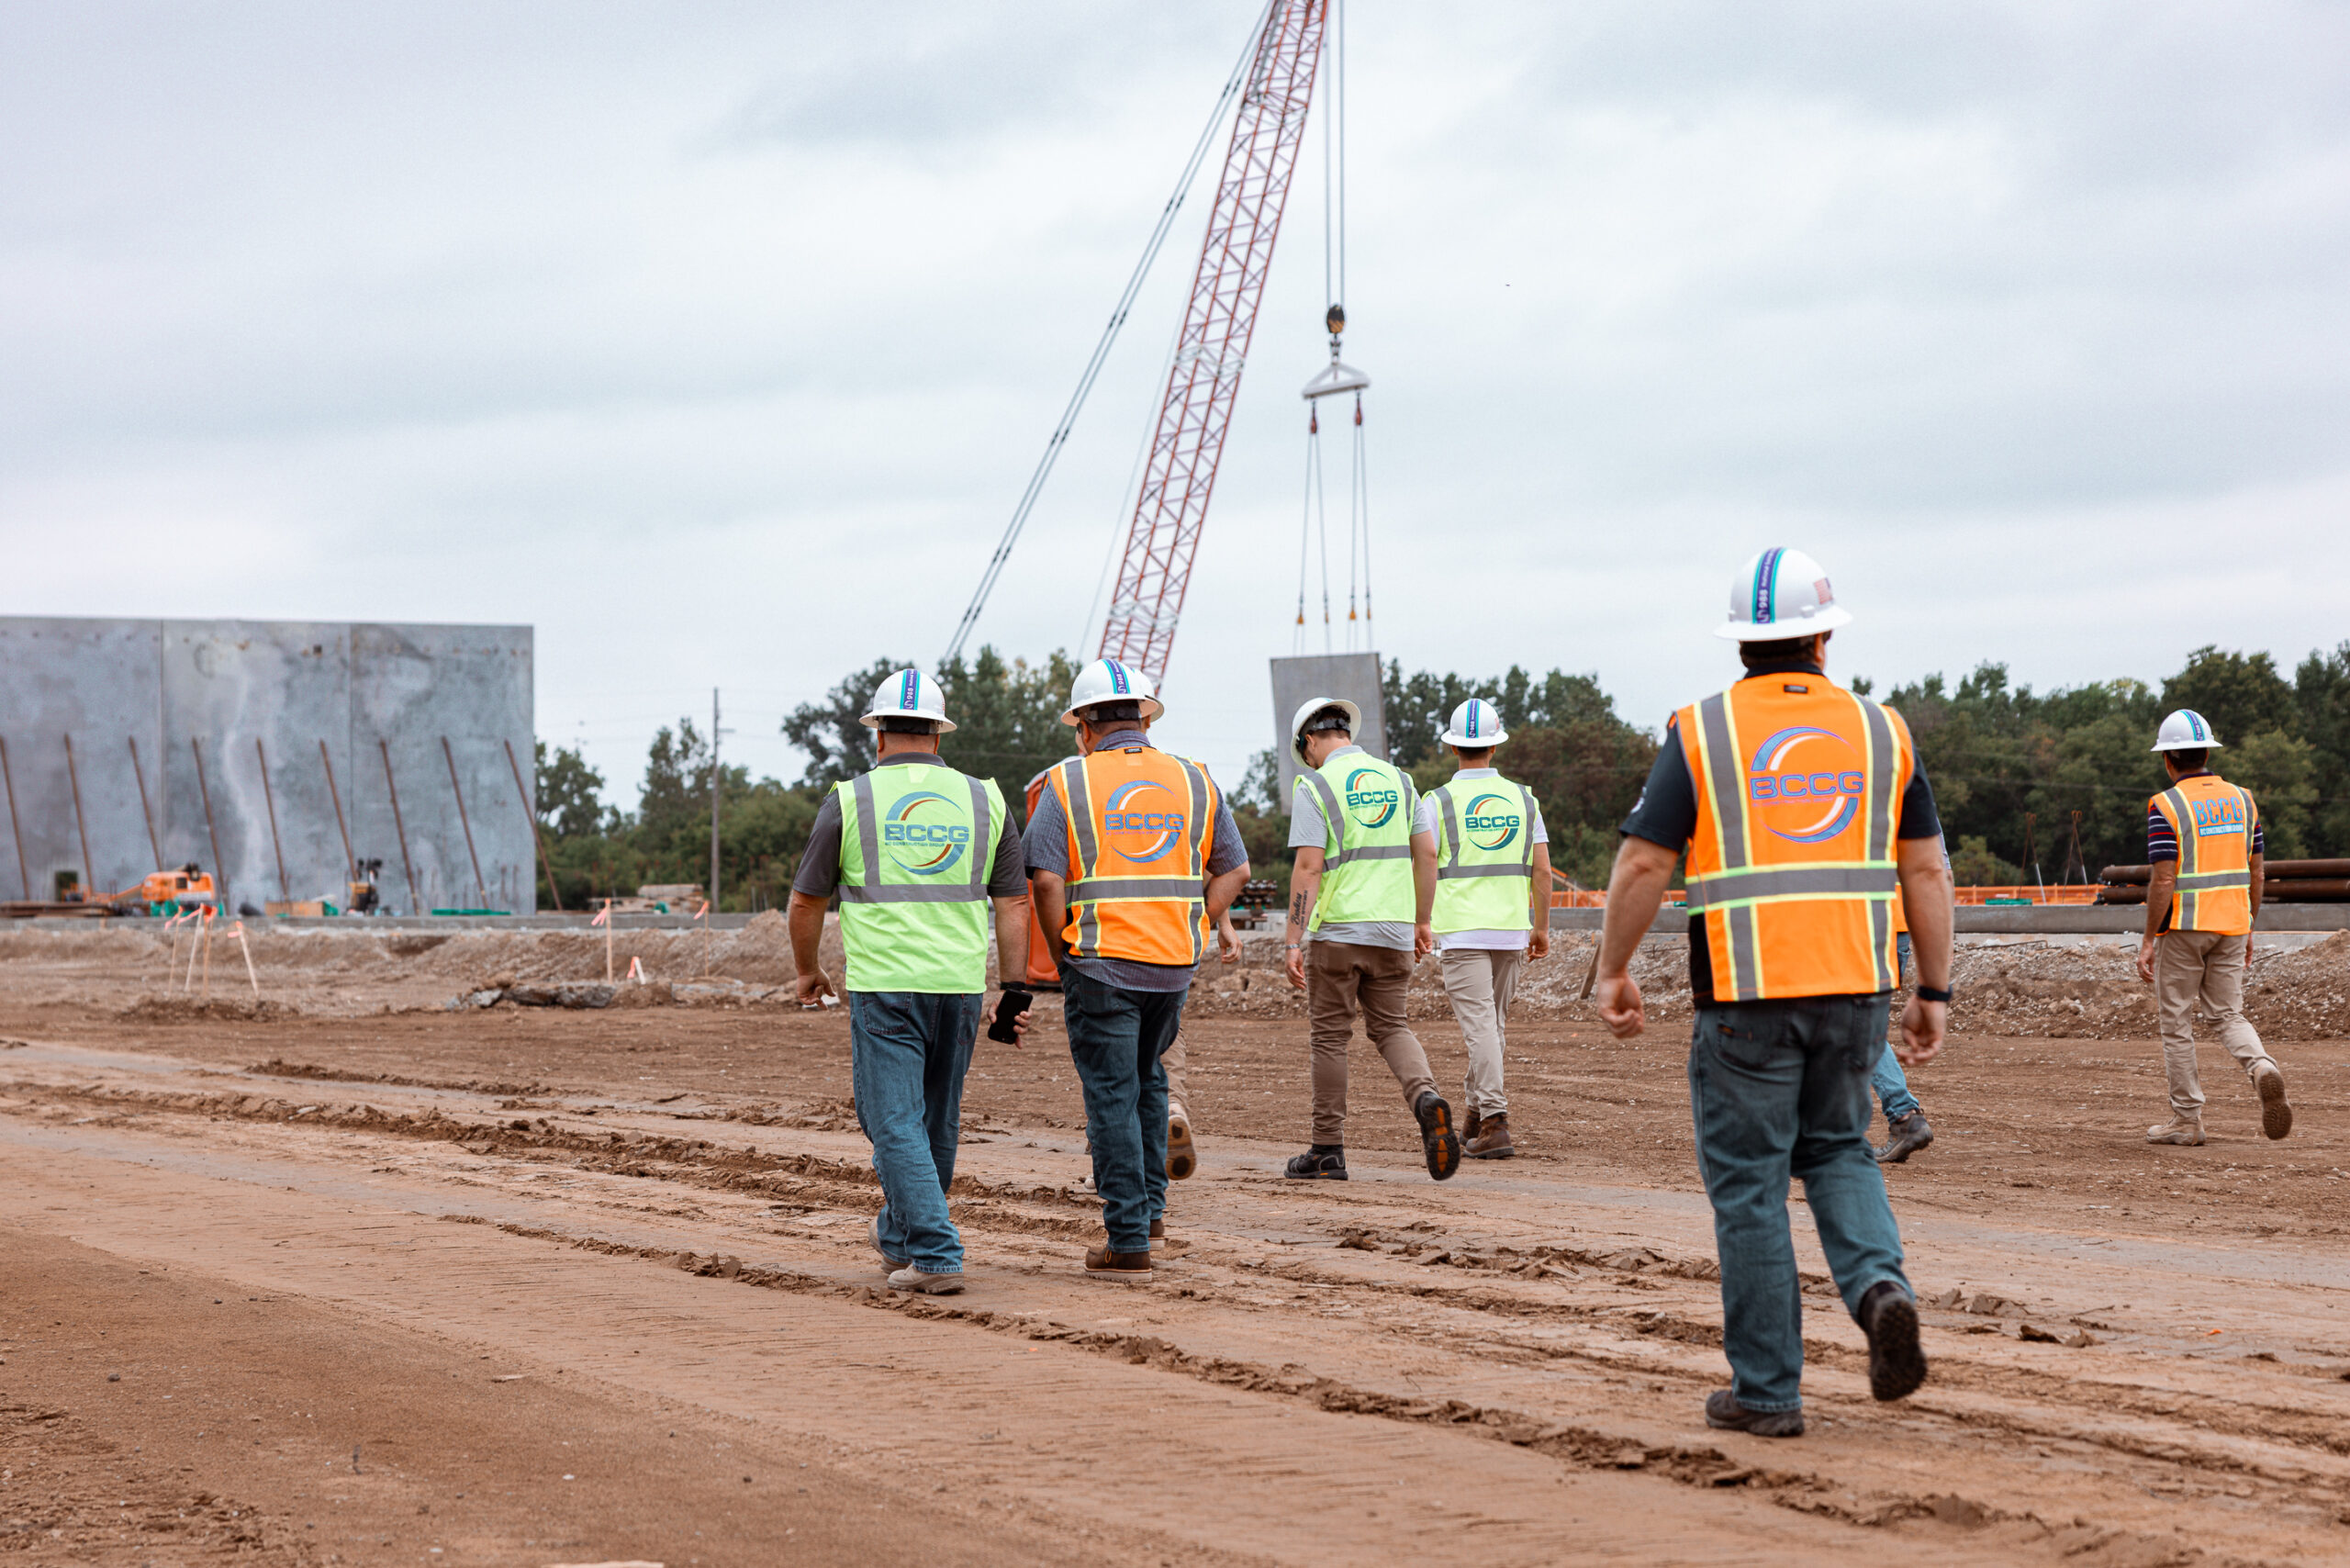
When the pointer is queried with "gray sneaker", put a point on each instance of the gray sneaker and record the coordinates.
(914, 1280)
(1905, 1137)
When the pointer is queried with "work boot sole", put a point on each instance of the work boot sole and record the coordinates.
(1316, 1175)
(1182, 1155)
(1120, 1276)
(1505, 1151)
(1897, 1362)
(1438, 1140)
(2276, 1116)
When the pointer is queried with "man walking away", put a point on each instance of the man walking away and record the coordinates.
(1481, 864)
(917, 851)
(1803, 811)
(2205, 844)
(1351, 822)
(1133, 857)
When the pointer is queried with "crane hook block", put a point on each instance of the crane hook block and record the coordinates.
(1337, 319)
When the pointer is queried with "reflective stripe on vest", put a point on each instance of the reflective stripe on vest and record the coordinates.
(1367, 870)
(917, 841)
(1136, 875)
(1484, 887)
(2213, 821)
(1792, 875)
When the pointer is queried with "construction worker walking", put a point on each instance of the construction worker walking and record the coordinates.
(917, 851)
(1481, 866)
(1803, 810)
(2206, 846)
(1352, 900)
(1134, 858)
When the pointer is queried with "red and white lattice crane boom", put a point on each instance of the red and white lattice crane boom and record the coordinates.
(1274, 83)
(1203, 381)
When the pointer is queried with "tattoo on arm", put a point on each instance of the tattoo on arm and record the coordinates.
(1297, 906)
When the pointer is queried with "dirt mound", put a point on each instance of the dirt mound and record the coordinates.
(2076, 991)
(194, 1009)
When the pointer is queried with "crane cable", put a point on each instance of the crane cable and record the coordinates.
(1334, 286)
(1028, 497)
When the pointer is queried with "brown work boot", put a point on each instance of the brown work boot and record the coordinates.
(1126, 1268)
(1488, 1136)
(2186, 1130)
(1469, 1130)
(2276, 1116)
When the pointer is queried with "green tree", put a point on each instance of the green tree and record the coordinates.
(1007, 719)
(2279, 770)
(569, 795)
(832, 732)
(2239, 694)
(2321, 695)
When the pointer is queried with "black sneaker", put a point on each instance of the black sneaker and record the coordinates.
(1318, 1164)
(1438, 1140)
(1724, 1413)
(1908, 1136)
(1897, 1363)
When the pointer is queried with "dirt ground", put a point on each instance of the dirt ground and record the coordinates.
(368, 1278)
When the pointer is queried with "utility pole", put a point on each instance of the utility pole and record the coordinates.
(713, 800)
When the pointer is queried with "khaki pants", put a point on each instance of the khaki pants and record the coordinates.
(1479, 981)
(1177, 1080)
(1339, 977)
(2205, 967)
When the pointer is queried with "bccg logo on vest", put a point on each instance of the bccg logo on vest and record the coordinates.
(2220, 816)
(922, 834)
(1136, 822)
(1817, 796)
(1370, 800)
(1491, 822)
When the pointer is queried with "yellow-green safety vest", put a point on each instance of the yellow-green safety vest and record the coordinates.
(917, 841)
(1484, 855)
(1368, 807)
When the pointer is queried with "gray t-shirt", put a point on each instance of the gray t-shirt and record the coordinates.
(819, 876)
(1048, 850)
(1308, 831)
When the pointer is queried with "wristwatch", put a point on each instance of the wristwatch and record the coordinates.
(1930, 993)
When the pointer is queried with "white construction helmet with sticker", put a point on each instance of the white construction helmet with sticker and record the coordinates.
(1781, 593)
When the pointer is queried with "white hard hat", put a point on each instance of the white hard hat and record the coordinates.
(1781, 593)
(2185, 731)
(1476, 724)
(1315, 705)
(1111, 680)
(908, 694)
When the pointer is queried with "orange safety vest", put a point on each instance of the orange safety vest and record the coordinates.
(2214, 820)
(1799, 784)
(1139, 821)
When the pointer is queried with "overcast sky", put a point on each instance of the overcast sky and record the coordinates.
(716, 342)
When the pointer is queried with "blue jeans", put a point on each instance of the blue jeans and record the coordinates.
(1780, 1089)
(1115, 1037)
(908, 1052)
(1892, 1085)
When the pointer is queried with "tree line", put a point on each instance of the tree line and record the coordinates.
(2010, 768)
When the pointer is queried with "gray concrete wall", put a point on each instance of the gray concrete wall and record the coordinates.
(215, 707)
(1354, 676)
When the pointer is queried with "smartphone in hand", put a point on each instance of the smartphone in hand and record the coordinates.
(1008, 1010)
